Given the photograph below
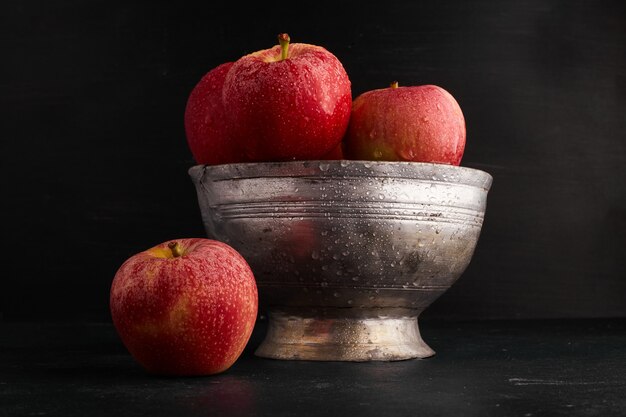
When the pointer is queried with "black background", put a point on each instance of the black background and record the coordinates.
(94, 157)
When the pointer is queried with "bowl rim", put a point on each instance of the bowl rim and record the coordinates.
(344, 169)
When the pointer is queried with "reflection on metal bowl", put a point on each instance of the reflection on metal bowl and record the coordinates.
(346, 254)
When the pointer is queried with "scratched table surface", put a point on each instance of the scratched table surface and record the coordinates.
(486, 368)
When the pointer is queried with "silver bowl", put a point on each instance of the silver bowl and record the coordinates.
(346, 254)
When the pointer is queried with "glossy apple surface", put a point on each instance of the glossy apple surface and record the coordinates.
(185, 307)
(207, 131)
(288, 102)
(414, 123)
(334, 154)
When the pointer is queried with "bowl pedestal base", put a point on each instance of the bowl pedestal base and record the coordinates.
(343, 334)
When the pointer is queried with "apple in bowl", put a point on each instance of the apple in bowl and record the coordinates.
(289, 102)
(421, 123)
(207, 132)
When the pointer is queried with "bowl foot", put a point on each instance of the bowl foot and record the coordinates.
(340, 334)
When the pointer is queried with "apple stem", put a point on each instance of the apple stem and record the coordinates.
(394, 84)
(175, 248)
(283, 40)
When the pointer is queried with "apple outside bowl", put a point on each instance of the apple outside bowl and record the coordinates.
(346, 254)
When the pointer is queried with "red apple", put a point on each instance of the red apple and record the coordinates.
(185, 307)
(335, 154)
(288, 102)
(416, 123)
(208, 133)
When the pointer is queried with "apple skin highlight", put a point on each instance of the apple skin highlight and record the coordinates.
(191, 314)
(414, 123)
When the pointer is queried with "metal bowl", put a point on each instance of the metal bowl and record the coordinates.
(346, 254)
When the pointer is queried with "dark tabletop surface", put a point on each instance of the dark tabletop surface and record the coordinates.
(485, 368)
